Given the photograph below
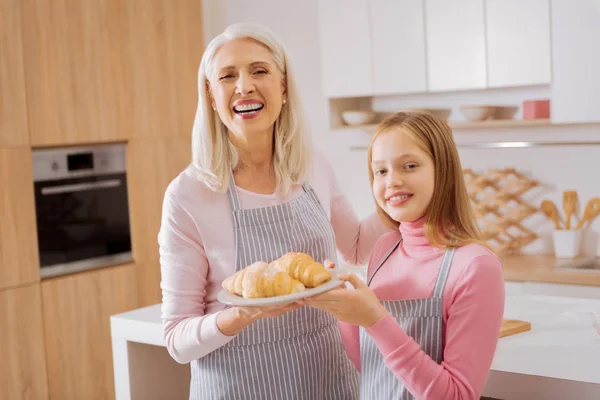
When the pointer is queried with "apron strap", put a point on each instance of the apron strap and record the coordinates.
(232, 193)
(385, 257)
(440, 283)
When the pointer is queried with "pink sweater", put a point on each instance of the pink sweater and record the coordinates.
(473, 306)
(197, 252)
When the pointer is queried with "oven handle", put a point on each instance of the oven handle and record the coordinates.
(79, 187)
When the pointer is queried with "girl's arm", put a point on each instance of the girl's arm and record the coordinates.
(351, 339)
(471, 335)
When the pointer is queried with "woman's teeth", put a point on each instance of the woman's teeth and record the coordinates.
(246, 108)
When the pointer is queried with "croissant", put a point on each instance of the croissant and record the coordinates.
(302, 267)
(261, 280)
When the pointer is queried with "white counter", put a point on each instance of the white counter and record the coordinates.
(558, 359)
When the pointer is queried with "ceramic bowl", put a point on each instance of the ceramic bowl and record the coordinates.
(358, 117)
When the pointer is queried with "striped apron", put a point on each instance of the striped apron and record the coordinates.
(421, 319)
(299, 355)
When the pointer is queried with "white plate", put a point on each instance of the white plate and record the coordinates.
(233, 300)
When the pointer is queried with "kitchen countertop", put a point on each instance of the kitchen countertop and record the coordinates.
(541, 268)
(559, 356)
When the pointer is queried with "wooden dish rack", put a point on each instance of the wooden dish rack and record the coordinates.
(500, 211)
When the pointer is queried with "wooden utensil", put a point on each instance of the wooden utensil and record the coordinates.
(569, 205)
(512, 326)
(550, 210)
(592, 209)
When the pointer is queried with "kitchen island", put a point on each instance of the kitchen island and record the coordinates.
(559, 358)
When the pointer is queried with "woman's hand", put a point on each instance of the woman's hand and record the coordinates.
(358, 306)
(233, 320)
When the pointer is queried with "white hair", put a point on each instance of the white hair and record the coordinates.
(213, 154)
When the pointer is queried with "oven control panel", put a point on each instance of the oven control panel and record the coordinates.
(76, 162)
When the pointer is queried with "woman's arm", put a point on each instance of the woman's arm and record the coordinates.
(472, 329)
(189, 333)
(354, 238)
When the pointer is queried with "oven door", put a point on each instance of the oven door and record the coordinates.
(82, 223)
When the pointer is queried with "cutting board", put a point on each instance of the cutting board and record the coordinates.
(512, 326)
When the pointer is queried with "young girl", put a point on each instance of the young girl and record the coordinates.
(427, 324)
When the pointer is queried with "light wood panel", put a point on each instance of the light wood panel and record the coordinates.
(149, 292)
(13, 113)
(152, 165)
(23, 366)
(77, 310)
(77, 71)
(19, 262)
(165, 46)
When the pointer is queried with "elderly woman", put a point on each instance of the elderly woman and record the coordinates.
(254, 191)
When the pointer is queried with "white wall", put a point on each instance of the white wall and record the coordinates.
(558, 168)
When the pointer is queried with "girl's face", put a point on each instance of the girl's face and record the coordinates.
(403, 175)
(247, 88)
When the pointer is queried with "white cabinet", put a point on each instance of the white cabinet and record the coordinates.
(398, 28)
(455, 44)
(575, 61)
(518, 42)
(344, 30)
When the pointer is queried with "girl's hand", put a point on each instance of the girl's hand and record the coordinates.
(358, 306)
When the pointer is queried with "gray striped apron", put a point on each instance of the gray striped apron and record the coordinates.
(421, 319)
(299, 355)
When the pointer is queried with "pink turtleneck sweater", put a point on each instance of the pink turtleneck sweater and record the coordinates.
(473, 306)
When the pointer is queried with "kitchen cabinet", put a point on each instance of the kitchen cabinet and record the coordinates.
(23, 366)
(13, 111)
(165, 46)
(345, 35)
(19, 262)
(518, 42)
(77, 71)
(161, 160)
(575, 65)
(398, 43)
(77, 310)
(455, 34)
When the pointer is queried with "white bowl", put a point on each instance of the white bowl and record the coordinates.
(478, 113)
(358, 117)
(482, 113)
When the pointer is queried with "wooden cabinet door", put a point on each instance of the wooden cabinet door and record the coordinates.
(77, 310)
(77, 71)
(398, 28)
(19, 261)
(13, 111)
(518, 42)
(575, 61)
(152, 165)
(166, 45)
(345, 48)
(455, 44)
(23, 366)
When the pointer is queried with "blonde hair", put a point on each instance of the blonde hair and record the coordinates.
(213, 154)
(449, 218)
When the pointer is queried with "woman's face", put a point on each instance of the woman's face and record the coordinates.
(247, 89)
(403, 176)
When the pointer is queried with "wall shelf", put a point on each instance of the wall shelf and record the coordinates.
(465, 125)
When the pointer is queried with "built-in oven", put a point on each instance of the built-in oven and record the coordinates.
(81, 208)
